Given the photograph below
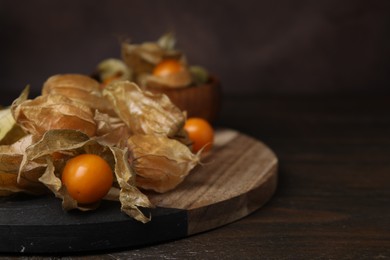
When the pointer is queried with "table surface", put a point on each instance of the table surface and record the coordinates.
(333, 195)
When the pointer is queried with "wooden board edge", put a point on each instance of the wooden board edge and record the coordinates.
(209, 217)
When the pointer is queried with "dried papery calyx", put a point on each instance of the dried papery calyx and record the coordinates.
(111, 130)
(160, 163)
(52, 111)
(10, 132)
(167, 42)
(113, 69)
(69, 143)
(142, 58)
(77, 87)
(144, 112)
(170, 73)
(11, 156)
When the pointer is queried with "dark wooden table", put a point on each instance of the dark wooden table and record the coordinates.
(333, 197)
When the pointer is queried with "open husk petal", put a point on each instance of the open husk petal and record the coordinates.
(11, 156)
(130, 197)
(68, 143)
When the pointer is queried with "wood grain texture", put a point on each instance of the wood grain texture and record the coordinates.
(237, 177)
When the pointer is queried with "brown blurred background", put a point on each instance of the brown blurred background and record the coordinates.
(253, 46)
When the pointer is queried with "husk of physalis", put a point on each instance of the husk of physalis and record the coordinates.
(111, 130)
(11, 156)
(142, 111)
(161, 163)
(77, 87)
(142, 58)
(179, 79)
(113, 69)
(50, 153)
(52, 111)
(10, 132)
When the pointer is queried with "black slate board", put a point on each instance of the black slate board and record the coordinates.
(39, 225)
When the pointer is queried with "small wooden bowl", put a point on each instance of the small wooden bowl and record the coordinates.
(199, 101)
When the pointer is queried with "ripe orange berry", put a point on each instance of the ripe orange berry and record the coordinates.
(168, 67)
(200, 132)
(87, 178)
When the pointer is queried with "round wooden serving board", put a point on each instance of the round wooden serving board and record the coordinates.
(237, 177)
